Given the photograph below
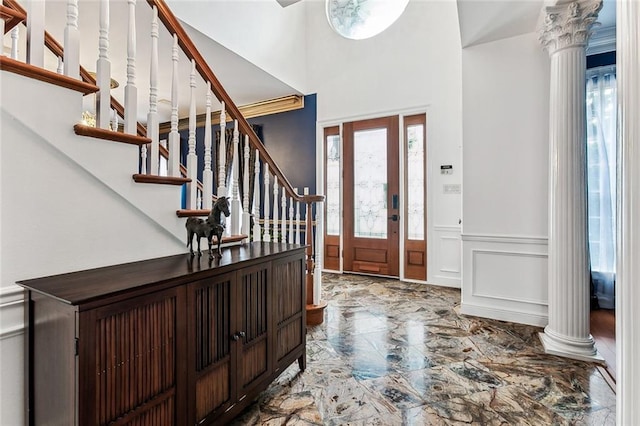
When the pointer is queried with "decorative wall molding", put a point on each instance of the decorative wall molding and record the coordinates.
(505, 278)
(258, 109)
(445, 254)
(474, 288)
(11, 311)
(507, 239)
(447, 228)
(603, 40)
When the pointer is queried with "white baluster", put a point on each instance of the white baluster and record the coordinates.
(199, 199)
(174, 136)
(207, 174)
(143, 159)
(60, 68)
(305, 191)
(267, 236)
(317, 275)
(72, 41)
(103, 70)
(153, 123)
(192, 159)
(35, 32)
(15, 38)
(297, 240)
(114, 120)
(256, 199)
(222, 155)
(291, 219)
(246, 216)
(236, 207)
(130, 90)
(283, 221)
(275, 209)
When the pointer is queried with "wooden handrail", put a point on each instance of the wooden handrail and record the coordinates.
(173, 25)
(56, 48)
(11, 15)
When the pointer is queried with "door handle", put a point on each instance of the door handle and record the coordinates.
(394, 217)
(238, 335)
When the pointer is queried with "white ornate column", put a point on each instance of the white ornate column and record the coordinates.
(628, 273)
(564, 35)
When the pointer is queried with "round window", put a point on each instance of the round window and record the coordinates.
(360, 19)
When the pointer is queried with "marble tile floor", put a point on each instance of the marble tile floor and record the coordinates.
(396, 353)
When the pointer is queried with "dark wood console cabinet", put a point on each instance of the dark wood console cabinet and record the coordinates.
(168, 341)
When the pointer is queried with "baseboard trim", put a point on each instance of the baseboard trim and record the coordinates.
(504, 315)
(445, 282)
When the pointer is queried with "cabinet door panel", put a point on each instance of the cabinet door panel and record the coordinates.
(210, 331)
(135, 361)
(288, 285)
(254, 298)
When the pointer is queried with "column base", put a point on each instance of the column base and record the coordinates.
(580, 349)
(315, 313)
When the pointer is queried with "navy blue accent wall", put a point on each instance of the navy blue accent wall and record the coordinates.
(290, 138)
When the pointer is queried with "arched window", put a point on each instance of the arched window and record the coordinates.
(360, 19)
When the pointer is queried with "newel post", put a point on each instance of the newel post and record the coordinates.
(315, 306)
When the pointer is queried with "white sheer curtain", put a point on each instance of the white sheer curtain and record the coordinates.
(601, 183)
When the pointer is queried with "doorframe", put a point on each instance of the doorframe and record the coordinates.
(320, 165)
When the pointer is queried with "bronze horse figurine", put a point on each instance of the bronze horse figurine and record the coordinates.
(213, 225)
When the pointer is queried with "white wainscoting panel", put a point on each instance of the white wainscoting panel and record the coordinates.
(11, 355)
(11, 311)
(444, 253)
(505, 278)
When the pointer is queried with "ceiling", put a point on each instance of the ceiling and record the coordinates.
(482, 21)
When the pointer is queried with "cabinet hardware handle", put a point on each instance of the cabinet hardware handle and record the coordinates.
(238, 335)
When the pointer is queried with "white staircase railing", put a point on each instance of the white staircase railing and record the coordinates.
(264, 205)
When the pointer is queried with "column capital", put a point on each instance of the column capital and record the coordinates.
(568, 24)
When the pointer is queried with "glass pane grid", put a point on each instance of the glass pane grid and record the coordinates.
(370, 183)
(415, 182)
(333, 185)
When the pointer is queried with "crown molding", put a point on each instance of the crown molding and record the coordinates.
(258, 109)
(603, 40)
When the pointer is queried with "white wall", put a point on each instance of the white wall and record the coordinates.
(261, 31)
(414, 64)
(505, 155)
(63, 211)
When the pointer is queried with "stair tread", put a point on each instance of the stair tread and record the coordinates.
(37, 73)
(162, 180)
(110, 135)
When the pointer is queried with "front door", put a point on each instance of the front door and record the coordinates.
(371, 190)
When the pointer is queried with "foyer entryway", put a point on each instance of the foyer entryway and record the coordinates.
(375, 186)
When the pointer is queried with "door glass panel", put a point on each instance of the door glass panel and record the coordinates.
(415, 182)
(370, 183)
(333, 185)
